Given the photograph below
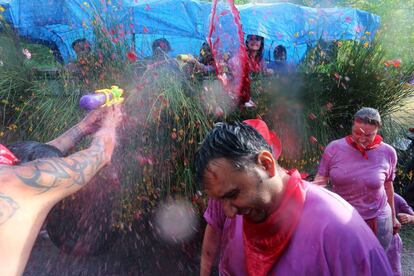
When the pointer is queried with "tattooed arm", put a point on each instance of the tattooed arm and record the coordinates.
(59, 177)
(88, 125)
(29, 191)
(7, 208)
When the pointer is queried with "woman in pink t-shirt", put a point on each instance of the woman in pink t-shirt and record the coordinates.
(361, 168)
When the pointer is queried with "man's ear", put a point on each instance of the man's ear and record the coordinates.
(266, 160)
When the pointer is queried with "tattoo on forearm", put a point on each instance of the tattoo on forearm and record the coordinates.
(75, 134)
(7, 208)
(69, 139)
(45, 174)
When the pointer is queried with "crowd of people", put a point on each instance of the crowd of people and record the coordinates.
(274, 223)
(204, 64)
(261, 218)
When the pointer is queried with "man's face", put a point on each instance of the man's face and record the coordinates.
(242, 191)
(363, 134)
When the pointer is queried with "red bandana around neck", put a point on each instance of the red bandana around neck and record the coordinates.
(377, 141)
(265, 242)
(7, 157)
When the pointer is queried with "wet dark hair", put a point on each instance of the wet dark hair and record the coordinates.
(161, 43)
(261, 38)
(236, 141)
(279, 49)
(27, 151)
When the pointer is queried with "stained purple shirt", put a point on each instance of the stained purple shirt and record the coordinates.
(330, 239)
(358, 180)
(401, 206)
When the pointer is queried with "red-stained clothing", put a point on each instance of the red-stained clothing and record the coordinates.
(256, 66)
(7, 157)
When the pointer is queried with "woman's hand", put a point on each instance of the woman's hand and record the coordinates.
(405, 218)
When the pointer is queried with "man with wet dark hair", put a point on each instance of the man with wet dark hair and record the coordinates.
(271, 222)
(28, 191)
(27, 151)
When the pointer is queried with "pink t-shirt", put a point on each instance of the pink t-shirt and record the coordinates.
(330, 239)
(358, 180)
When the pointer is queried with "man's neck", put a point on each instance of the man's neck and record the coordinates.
(278, 184)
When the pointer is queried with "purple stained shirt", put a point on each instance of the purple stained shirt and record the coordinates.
(358, 180)
(330, 239)
(401, 206)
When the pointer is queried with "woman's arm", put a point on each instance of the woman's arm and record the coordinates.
(389, 189)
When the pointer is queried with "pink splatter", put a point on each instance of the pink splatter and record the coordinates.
(312, 116)
(219, 112)
(313, 140)
(132, 56)
(329, 106)
(27, 53)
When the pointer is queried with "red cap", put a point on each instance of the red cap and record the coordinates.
(270, 136)
(7, 157)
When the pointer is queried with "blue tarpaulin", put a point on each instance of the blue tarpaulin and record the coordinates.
(185, 23)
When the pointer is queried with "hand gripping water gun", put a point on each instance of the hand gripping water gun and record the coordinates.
(102, 98)
(185, 57)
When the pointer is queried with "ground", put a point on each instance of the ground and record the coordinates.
(47, 260)
(407, 235)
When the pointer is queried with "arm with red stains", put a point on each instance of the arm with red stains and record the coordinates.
(322, 177)
(215, 217)
(389, 189)
(210, 250)
(87, 126)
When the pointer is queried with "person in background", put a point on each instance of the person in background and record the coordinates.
(255, 47)
(279, 64)
(160, 49)
(405, 215)
(28, 191)
(262, 220)
(203, 65)
(82, 49)
(361, 168)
